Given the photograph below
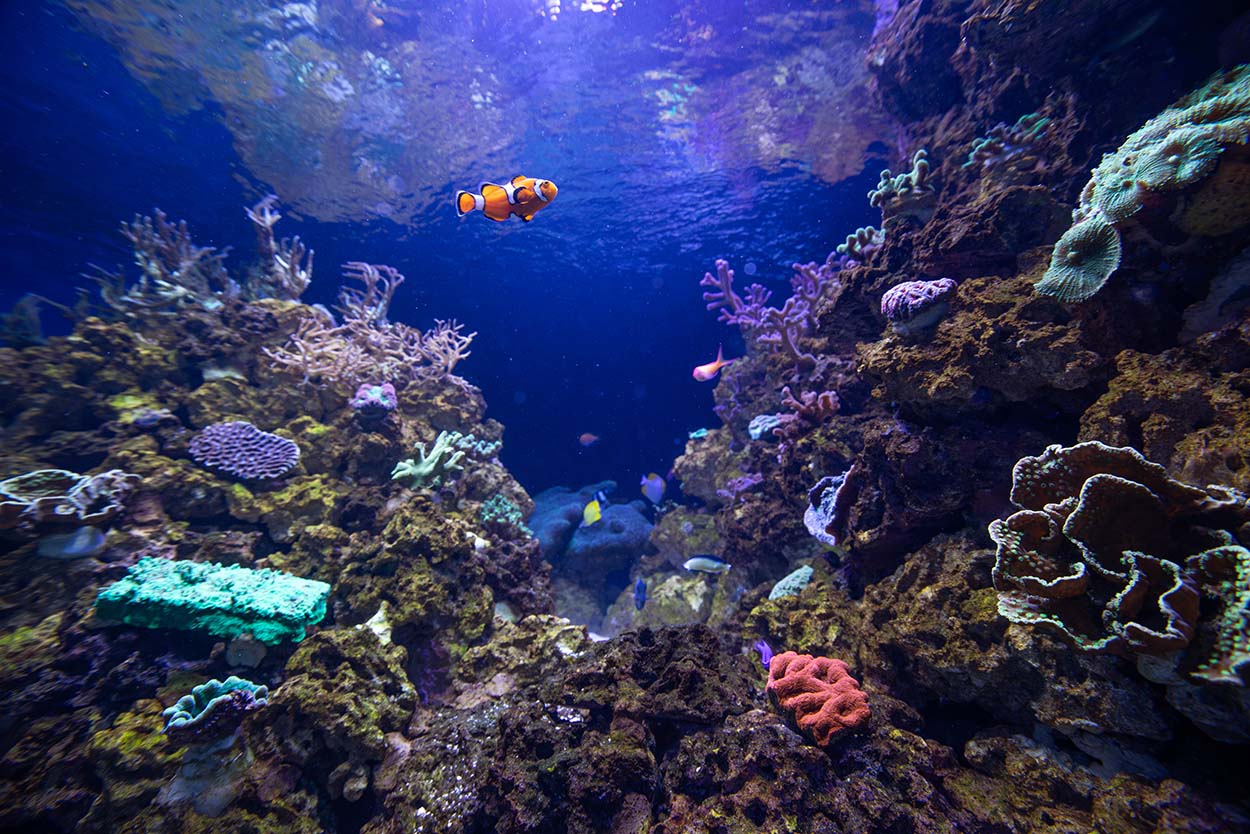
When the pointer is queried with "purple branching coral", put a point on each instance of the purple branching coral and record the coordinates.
(173, 272)
(286, 265)
(806, 412)
(367, 346)
(243, 451)
(782, 329)
(736, 487)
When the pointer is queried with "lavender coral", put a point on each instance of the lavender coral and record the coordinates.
(914, 306)
(374, 402)
(243, 451)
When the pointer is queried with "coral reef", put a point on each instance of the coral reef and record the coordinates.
(1082, 667)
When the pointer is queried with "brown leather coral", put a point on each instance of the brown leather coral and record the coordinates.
(817, 693)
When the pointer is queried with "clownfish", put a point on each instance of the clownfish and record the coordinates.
(705, 373)
(522, 196)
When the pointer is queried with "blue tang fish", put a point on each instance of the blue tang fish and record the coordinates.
(640, 593)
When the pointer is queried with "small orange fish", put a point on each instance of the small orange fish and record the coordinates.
(587, 439)
(708, 372)
(522, 196)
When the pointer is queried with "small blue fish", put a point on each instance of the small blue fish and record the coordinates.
(766, 652)
(640, 593)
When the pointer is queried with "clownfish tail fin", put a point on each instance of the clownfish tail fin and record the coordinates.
(466, 202)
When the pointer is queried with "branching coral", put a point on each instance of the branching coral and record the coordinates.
(1009, 146)
(286, 264)
(780, 328)
(430, 469)
(909, 194)
(173, 271)
(860, 245)
(1112, 555)
(807, 411)
(1175, 150)
(367, 346)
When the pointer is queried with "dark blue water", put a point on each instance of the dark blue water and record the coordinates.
(589, 319)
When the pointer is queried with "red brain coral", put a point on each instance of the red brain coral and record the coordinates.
(818, 693)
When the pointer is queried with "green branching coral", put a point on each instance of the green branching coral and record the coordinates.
(1005, 145)
(909, 193)
(1173, 151)
(1112, 555)
(861, 243)
(473, 447)
(430, 469)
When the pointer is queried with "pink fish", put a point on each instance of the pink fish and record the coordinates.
(708, 372)
(587, 439)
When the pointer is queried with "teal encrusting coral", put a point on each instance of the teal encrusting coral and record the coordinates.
(792, 583)
(228, 601)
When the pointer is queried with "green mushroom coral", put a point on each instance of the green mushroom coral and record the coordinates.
(1175, 150)
(430, 469)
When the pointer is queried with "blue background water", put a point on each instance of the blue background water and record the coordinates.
(589, 319)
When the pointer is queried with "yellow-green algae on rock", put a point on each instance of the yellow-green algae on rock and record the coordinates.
(227, 601)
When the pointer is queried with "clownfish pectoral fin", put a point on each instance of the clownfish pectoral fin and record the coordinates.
(523, 195)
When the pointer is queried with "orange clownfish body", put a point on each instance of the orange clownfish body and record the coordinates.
(522, 196)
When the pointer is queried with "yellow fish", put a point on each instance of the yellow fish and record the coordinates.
(591, 513)
(522, 196)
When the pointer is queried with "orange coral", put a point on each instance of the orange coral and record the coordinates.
(818, 693)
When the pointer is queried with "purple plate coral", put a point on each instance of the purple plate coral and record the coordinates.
(240, 449)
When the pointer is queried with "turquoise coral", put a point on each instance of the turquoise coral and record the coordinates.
(792, 583)
(498, 509)
(213, 709)
(228, 601)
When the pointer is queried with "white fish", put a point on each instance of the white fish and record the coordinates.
(706, 564)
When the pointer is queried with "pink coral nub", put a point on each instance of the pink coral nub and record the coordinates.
(818, 693)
